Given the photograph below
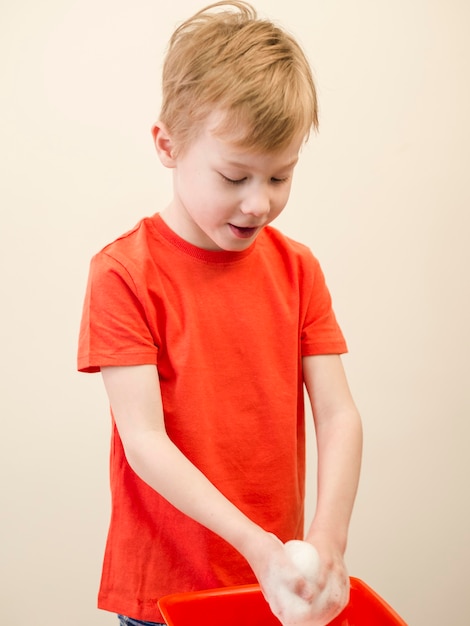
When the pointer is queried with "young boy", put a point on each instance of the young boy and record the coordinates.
(206, 323)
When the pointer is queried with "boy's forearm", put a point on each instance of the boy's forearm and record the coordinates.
(162, 465)
(339, 442)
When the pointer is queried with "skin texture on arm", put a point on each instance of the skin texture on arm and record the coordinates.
(339, 441)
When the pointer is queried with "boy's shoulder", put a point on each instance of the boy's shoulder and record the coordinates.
(129, 238)
(133, 247)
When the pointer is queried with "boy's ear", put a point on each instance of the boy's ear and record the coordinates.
(163, 144)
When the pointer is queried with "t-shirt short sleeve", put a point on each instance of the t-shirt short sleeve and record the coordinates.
(114, 328)
(320, 331)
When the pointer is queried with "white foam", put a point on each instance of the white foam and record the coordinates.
(290, 608)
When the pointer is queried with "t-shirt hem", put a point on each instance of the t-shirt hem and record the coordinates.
(317, 349)
(92, 364)
(149, 614)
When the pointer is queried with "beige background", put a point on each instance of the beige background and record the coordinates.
(382, 197)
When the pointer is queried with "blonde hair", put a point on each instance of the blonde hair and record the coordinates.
(248, 68)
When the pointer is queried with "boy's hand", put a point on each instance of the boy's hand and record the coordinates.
(303, 586)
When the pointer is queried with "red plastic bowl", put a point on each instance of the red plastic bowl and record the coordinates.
(232, 606)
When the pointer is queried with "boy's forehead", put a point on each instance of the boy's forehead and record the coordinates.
(242, 158)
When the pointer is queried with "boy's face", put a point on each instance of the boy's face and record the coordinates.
(223, 194)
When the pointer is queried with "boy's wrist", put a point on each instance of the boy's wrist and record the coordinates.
(256, 542)
(335, 539)
(258, 548)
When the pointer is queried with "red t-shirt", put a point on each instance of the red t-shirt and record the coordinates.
(227, 332)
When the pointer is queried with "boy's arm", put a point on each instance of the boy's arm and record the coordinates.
(134, 394)
(339, 443)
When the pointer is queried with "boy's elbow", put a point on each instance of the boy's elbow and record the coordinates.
(142, 449)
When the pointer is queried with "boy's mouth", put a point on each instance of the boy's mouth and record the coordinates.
(243, 232)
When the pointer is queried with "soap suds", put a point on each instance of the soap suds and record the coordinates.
(316, 608)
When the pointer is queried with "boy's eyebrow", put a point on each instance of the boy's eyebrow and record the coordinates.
(239, 164)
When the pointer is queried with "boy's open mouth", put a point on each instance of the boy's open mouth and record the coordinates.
(244, 232)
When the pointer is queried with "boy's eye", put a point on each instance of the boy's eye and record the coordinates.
(238, 181)
(233, 181)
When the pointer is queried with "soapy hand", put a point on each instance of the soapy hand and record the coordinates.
(305, 592)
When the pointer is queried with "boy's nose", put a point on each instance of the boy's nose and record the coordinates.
(256, 203)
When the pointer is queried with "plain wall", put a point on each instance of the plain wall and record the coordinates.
(381, 196)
